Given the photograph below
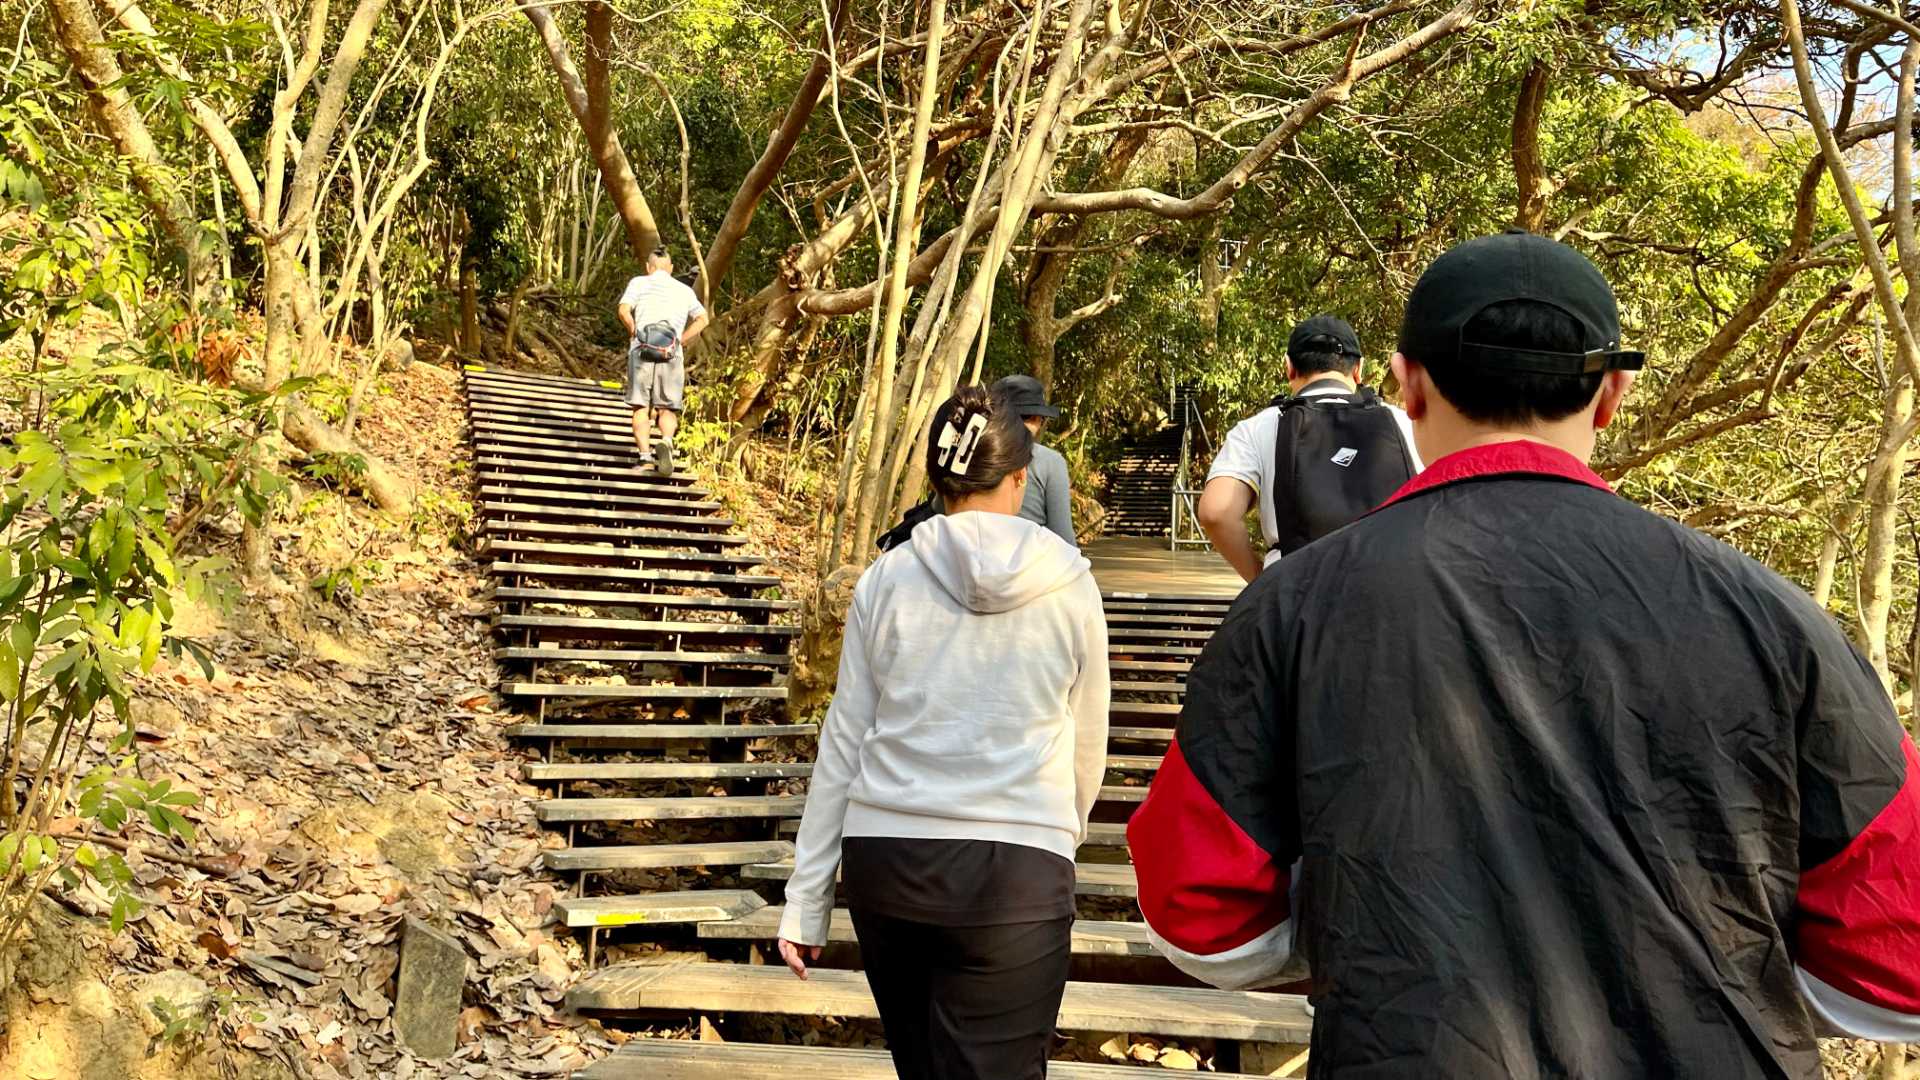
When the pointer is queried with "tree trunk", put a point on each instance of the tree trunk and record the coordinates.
(114, 112)
(1883, 519)
(469, 311)
(305, 429)
(906, 241)
(1529, 173)
(760, 178)
(285, 279)
(589, 99)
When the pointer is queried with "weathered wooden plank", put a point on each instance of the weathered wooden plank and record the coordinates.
(1107, 834)
(656, 909)
(606, 598)
(631, 733)
(622, 480)
(640, 576)
(1144, 686)
(663, 1059)
(603, 555)
(1091, 937)
(607, 692)
(574, 494)
(1133, 762)
(556, 512)
(643, 656)
(688, 808)
(1143, 709)
(1158, 1010)
(1139, 734)
(1149, 666)
(665, 856)
(527, 526)
(548, 772)
(564, 626)
(1134, 633)
(1089, 879)
(589, 472)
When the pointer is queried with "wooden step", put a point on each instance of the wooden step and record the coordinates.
(621, 734)
(602, 555)
(1180, 1011)
(1103, 834)
(495, 526)
(549, 772)
(482, 372)
(1128, 618)
(1090, 937)
(597, 396)
(641, 576)
(549, 512)
(496, 414)
(667, 1059)
(1135, 633)
(566, 627)
(687, 808)
(1170, 687)
(512, 455)
(657, 909)
(1133, 762)
(606, 598)
(633, 485)
(606, 692)
(1143, 709)
(513, 465)
(575, 496)
(666, 856)
(1148, 648)
(1119, 667)
(589, 435)
(538, 655)
(1089, 879)
(1134, 600)
(1140, 734)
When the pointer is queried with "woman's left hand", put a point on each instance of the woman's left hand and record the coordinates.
(797, 955)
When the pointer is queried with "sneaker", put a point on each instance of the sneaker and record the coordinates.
(663, 459)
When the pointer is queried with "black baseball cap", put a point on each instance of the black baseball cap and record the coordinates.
(1514, 265)
(1324, 333)
(1026, 395)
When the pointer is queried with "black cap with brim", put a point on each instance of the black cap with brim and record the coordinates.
(1513, 266)
(1026, 395)
(1324, 333)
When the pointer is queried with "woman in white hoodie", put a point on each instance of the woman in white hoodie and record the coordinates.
(963, 752)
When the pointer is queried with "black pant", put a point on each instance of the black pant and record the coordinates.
(965, 1002)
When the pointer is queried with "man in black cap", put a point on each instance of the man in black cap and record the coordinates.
(1315, 458)
(1048, 499)
(1534, 782)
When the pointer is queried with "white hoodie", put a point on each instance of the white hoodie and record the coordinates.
(971, 705)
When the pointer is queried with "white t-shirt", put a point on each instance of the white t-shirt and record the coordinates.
(661, 297)
(1247, 456)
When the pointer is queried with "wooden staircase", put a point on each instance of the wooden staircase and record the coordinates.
(646, 654)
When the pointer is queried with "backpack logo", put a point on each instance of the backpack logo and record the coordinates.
(1346, 456)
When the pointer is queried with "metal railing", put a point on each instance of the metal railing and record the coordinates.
(1186, 531)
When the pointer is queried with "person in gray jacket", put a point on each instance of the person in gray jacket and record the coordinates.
(1048, 500)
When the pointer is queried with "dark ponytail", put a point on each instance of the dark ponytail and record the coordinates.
(978, 454)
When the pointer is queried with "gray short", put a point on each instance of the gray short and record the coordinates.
(652, 385)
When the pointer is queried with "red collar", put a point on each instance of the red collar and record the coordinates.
(1499, 459)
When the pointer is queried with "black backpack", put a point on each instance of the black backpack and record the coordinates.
(655, 342)
(1335, 457)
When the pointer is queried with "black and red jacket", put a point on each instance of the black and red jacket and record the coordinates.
(1537, 783)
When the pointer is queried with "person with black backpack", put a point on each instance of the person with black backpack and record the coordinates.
(1315, 458)
(662, 315)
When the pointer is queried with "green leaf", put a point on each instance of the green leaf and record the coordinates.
(9, 847)
(121, 557)
(85, 856)
(30, 853)
(9, 673)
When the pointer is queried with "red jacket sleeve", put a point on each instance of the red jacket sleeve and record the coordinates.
(1856, 935)
(1215, 842)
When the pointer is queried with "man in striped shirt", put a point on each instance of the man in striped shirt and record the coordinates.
(662, 316)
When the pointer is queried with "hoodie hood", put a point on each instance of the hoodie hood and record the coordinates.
(995, 562)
